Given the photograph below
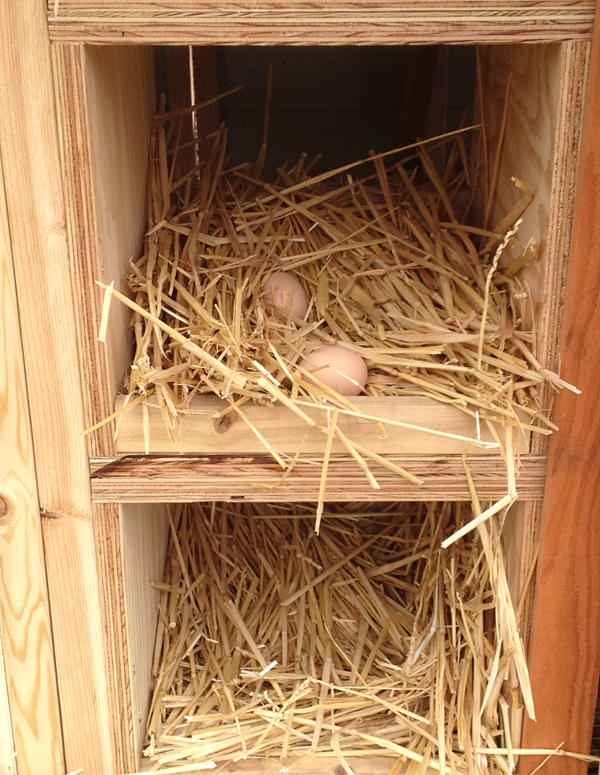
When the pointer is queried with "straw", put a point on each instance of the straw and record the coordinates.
(390, 268)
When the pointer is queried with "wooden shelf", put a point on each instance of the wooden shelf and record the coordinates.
(148, 479)
(331, 23)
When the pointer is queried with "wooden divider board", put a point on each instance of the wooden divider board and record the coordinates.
(332, 22)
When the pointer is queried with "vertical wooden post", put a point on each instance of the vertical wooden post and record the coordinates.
(565, 639)
(36, 214)
(26, 633)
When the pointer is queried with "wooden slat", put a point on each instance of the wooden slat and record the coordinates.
(26, 633)
(35, 204)
(202, 434)
(333, 22)
(158, 479)
(565, 643)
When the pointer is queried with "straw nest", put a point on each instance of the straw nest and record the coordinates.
(367, 640)
(390, 268)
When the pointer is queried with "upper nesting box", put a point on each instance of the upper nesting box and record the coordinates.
(528, 99)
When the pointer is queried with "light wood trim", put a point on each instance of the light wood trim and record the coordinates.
(35, 204)
(25, 629)
(219, 477)
(333, 22)
(565, 641)
(202, 434)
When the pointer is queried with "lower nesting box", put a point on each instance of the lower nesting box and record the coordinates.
(537, 135)
(256, 645)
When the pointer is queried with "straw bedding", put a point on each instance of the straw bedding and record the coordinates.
(365, 640)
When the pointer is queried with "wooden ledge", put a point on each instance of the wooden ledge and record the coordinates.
(202, 433)
(300, 23)
(141, 479)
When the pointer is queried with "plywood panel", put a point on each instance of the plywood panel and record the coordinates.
(541, 147)
(144, 533)
(105, 99)
(332, 22)
(258, 478)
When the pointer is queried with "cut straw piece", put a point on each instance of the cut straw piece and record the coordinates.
(321, 501)
(237, 380)
(389, 464)
(105, 312)
(125, 408)
(503, 503)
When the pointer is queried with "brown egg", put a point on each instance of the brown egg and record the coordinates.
(283, 289)
(338, 368)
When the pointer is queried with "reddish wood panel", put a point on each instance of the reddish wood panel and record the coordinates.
(565, 639)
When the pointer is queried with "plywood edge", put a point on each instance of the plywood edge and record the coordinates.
(334, 23)
(258, 478)
(201, 432)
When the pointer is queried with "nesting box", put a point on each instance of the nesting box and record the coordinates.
(107, 96)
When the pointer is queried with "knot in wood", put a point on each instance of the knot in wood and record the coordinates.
(223, 424)
(4, 507)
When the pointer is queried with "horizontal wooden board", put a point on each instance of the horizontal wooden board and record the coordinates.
(202, 433)
(333, 22)
(148, 479)
(368, 765)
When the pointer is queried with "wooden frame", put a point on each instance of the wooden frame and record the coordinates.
(84, 544)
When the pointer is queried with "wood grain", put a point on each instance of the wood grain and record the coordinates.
(144, 536)
(332, 22)
(8, 765)
(35, 204)
(26, 632)
(202, 434)
(219, 477)
(565, 643)
(105, 99)
(541, 147)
